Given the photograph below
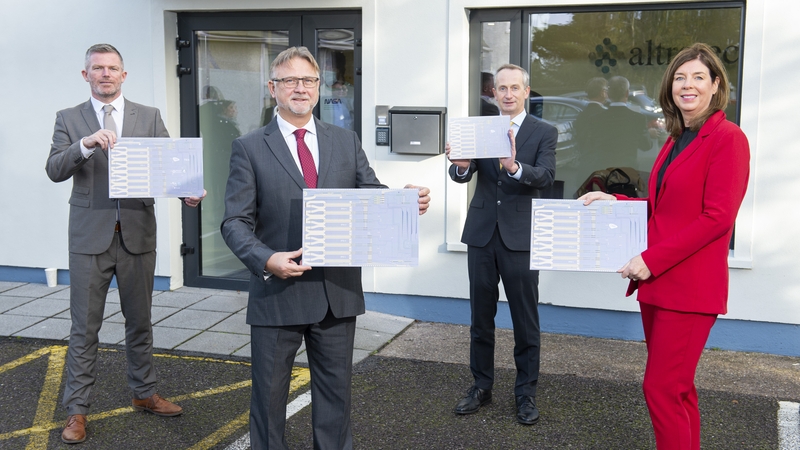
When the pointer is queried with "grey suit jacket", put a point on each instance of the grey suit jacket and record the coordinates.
(92, 213)
(263, 215)
(503, 201)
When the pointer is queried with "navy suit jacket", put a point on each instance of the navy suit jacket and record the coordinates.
(502, 200)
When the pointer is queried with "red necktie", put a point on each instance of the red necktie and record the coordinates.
(306, 160)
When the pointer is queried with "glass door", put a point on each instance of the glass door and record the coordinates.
(224, 62)
(335, 40)
(232, 74)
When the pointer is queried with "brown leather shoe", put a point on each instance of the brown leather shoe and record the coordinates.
(75, 429)
(157, 405)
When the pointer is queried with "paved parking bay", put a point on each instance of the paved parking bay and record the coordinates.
(403, 398)
(407, 378)
(214, 393)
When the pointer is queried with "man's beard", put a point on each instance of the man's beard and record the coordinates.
(111, 94)
(289, 107)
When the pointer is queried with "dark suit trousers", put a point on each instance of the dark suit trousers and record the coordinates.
(90, 277)
(329, 345)
(486, 266)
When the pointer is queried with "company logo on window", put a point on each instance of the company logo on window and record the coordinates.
(605, 55)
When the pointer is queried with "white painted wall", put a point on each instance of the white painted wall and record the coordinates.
(414, 54)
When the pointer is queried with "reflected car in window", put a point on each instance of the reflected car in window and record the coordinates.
(638, 101)
(560, 112)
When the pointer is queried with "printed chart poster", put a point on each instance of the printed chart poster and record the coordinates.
(156, 167)
(479, 137)
(360, 227)
(601, 237)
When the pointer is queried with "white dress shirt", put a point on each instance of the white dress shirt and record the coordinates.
(287, 131)
(117, 114)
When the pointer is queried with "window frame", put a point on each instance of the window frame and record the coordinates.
(478, 12)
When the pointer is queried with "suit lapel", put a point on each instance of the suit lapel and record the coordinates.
(696, 143)
(129, 118)
(525, 131)
(277, 145)
(325, 146)
(90, 117)
(673, 166)
(691, 149)
(660, 159)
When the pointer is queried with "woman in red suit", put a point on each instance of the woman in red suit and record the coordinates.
(697, 185)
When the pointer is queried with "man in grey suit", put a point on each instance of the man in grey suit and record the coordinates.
(498, 232)
(107, 237)
(289, 302)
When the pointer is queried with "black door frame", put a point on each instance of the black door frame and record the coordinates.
(302, 28)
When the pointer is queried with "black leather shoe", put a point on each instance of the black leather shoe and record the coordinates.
(475, 398)
(527, 413)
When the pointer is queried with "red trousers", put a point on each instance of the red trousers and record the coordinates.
(675, 341)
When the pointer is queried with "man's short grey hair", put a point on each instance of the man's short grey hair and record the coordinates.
(526, 79)
(289, 54)
(102, 48)
(618, 88)
(595, 87)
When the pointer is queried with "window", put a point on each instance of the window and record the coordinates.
(587, 63)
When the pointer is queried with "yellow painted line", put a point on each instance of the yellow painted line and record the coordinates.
(29, 357)
(201, 359)
(26, 431)
(300, 377)
(43, 421)
(212, 391)
(51, 425)
(46, 408)
(187, 358)
(175, 399)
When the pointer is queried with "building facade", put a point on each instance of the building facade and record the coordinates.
(203, 64)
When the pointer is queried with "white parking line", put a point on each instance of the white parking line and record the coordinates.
(788, 426)
(303, 400)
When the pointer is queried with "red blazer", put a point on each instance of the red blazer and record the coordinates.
(691, 221)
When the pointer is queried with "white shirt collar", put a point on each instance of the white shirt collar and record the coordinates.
(287, 128)
(118, 104)
(517, 120)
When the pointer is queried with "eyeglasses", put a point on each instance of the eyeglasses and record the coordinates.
(291, 82)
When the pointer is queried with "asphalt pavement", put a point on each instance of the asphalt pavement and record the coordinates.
(407, 378)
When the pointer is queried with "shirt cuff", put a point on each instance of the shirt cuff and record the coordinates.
(86, 152)
(518, 175)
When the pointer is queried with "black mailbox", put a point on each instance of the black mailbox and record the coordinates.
(417, 130)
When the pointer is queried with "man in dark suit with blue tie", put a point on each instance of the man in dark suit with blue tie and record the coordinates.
(498, 232)
(107, 237)
(289, 302)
